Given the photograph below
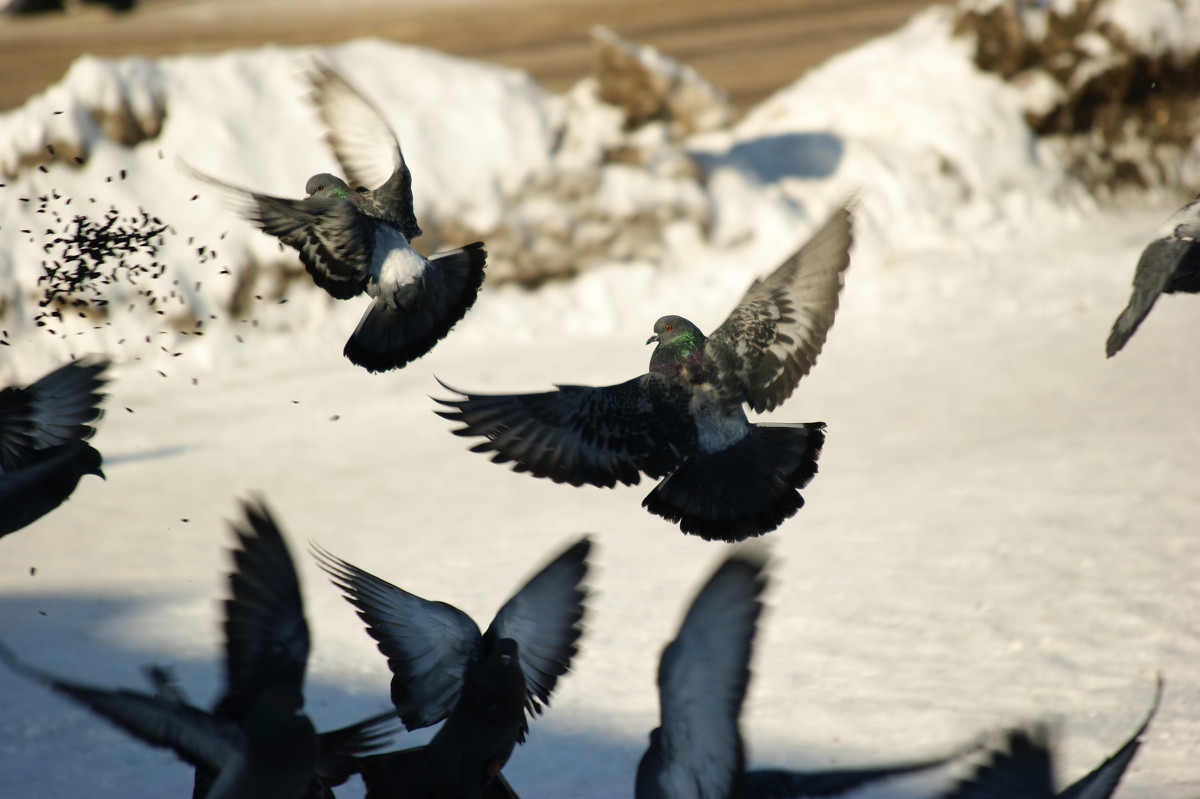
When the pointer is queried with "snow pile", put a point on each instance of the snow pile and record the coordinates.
(634, 174)
(1111, 82)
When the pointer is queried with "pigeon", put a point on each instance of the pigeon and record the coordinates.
(486, 687)
(258, 742)
(725, 478)
(697, 752)
(1169, 264)
(43, 433)
(355, 239)
(1024, 768)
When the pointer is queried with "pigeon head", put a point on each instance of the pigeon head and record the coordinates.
(679, 342)
(89, 462)
(327, 185)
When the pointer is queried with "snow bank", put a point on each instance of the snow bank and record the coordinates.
(634, 176)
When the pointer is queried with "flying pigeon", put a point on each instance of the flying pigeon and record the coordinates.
(1024, 769)
(486, 687)
(354, 239)
(697, 752)
(259, 742)
(43, 430)
(1169, 264)
(725, 478)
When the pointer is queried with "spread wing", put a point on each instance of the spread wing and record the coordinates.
(335, 240)
(266, 635)
(1172, 258)
(582, 434)
(366, 147)
(1103, 780)
(772, 338)
(196, 736)
(428, 644)
(702, 679)
(54, 410)
(544, 617)
(782, 784)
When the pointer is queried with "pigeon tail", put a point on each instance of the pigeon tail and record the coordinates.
(745, 490)
(389, 337)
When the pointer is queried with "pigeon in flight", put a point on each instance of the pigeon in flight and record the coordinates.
(697, 752)
(1169, 264)
(43, 433)
(486, 687)
(1024, 769)
(354, 239)
(258, 742)
(725, 478)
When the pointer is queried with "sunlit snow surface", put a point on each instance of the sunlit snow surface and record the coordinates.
(1005, 528)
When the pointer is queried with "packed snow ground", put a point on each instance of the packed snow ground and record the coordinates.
(1004, 528)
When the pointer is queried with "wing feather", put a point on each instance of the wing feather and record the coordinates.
(366, 147)
(581, 434)
(773, 337)
(544, 618)
(428, 644)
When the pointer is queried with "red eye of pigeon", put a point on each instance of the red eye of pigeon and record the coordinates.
(320, 188)
(670, 327)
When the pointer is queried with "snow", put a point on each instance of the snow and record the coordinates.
(1003, 528)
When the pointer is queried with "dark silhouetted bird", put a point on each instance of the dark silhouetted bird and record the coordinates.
(43, 433)
(258, 743)
(356, 239)
(726, 478)
(697, 752)
(1024, 768)
(1169, 264)
(486, 687)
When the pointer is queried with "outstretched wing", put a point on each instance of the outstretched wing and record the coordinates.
(428, 644)
(783, 784)
(366, 147)
(582, 434)
(1102, 781)
(1172, 258)
(702, 679)
(544, 617)
(335, 240)
(54, 410)
(772, 338)
(266, 635)
(197, 737)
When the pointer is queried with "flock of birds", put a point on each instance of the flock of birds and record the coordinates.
(683, 422)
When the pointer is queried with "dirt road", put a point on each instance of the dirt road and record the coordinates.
(749, 47)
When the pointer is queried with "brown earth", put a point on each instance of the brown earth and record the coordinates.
(748, 47)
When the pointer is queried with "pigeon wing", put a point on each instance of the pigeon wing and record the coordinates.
(428, 644)
(581, 434)
(334, 239)
(366, 147)
(1103, 780)
(1156, 266)
(772, 338)
(783, 784)
(544, 618)
(702, 681)
(1024, 768)
(54, 410)
(196, 736)
(341, 748)
(266, 635)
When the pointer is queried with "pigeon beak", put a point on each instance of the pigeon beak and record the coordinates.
(652, 339)
(100, 474)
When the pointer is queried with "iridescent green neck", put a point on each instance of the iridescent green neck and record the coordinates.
(340, 193)
(685, 346)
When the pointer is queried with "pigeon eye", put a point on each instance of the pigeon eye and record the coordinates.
(320, 188)
(670, 327)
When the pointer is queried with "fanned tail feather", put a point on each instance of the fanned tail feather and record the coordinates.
(388, 337)
(745, 490)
